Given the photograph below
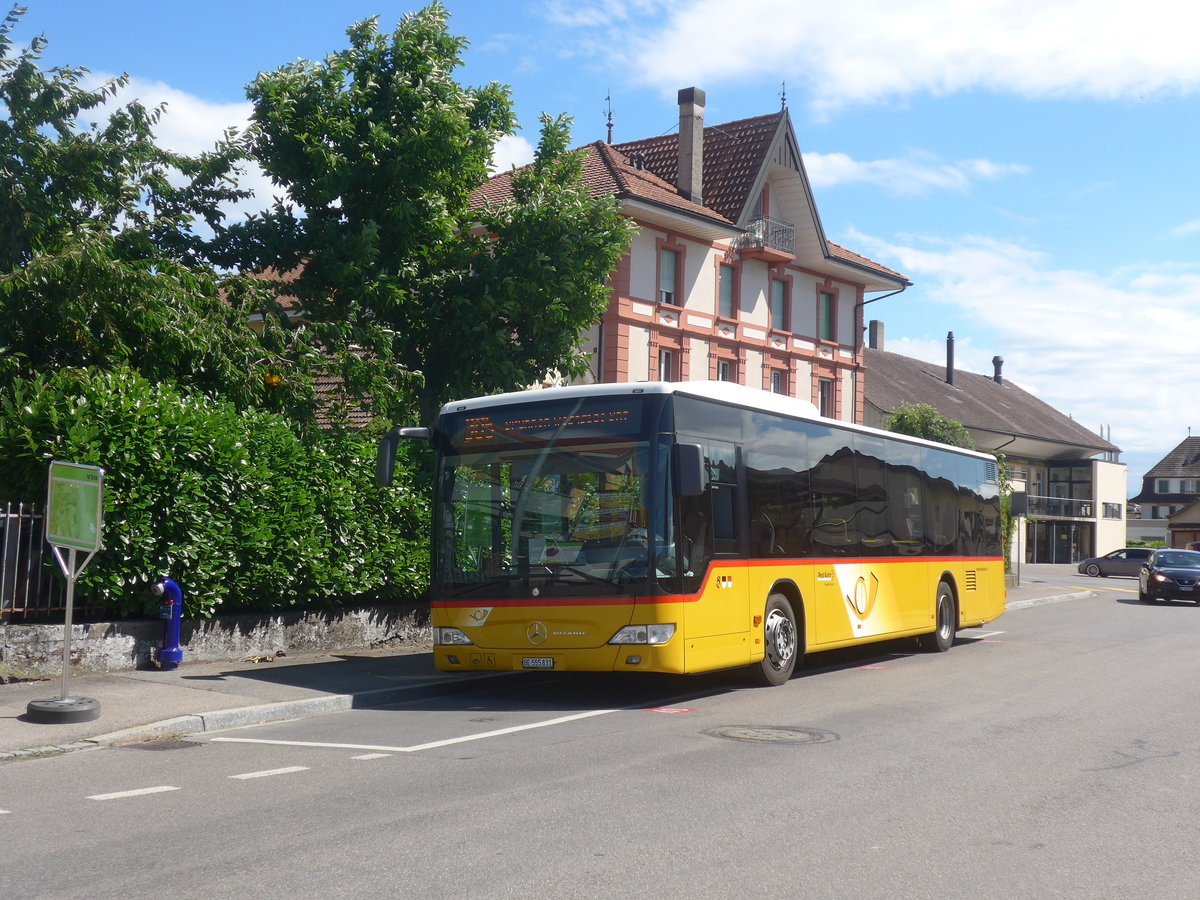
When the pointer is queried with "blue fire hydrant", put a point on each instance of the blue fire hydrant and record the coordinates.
(171, 612)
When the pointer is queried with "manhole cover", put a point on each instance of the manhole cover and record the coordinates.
(773, 734)
(164, 745)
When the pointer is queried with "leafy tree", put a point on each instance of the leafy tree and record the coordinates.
(103, 243)
(924, 421)
(380, 150)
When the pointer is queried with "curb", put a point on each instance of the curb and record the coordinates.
(240, 716)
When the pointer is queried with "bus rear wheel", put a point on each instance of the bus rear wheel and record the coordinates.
(781, 642)
(942, 638)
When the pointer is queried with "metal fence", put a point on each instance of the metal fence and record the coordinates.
(29, 586)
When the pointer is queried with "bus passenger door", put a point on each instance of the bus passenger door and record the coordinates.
(717, 591)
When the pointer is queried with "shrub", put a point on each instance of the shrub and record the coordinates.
(236, 506)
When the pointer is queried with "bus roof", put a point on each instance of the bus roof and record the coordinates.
(727, 392)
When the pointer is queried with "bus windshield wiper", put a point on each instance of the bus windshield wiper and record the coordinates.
(586, 576)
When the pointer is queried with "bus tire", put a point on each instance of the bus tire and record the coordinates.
(781, 642)
(942, 638)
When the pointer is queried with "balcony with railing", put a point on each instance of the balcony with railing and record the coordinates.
(769, 239)
(1061, 508)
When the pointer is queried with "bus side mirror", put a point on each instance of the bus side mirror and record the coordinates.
(689, 470)
(385, 458)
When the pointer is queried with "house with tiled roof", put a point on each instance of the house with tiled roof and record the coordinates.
(730, 275)
(1168, 488)
(1072, 477)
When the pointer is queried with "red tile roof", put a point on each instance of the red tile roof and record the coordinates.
(608, 171)
(733, 157)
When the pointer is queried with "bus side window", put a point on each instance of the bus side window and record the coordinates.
(724, 525)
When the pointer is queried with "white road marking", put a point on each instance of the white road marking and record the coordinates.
(983, 634)
(432, 745)
(138, 793)
(4, 812)
(266, 773)
(372, 756)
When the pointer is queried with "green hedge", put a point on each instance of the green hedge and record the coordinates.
(242, 511)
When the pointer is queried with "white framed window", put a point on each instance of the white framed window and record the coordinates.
(826, 316)
(778, 383)
(779, 305)
(726, 301)
(668, 268)
(825, 397)
(724, 370)
(666, 365)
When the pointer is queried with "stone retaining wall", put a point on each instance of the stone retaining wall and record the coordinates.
(35, 651)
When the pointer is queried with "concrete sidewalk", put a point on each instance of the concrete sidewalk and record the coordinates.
(197, 697)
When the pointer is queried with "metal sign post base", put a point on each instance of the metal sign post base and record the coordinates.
(62, 711)
(65, 709)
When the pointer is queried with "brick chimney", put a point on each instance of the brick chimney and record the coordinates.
(875, 334)
(691, 144)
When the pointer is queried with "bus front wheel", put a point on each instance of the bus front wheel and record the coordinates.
(781, 642)
(942, 638)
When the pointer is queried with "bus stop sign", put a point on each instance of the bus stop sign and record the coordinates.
(75, 507)
(74, 523)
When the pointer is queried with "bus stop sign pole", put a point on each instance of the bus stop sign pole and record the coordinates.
(74, 524)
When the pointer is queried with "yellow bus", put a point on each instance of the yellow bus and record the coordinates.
(688, 527)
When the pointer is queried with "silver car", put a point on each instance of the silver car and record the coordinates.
(1126, 561)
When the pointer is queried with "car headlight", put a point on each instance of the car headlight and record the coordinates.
(643, 634)
(449, 637)
(1159, 576)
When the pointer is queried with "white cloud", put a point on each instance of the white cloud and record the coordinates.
(1185, 229)
(911, 176)
(877, 50)
(511, 150)
(193, 126)
(1116, 349)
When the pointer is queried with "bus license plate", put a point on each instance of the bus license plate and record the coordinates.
(537, 662)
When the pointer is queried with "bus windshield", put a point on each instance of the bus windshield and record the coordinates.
(567, 520)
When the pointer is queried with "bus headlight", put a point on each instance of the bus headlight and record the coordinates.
(643, 634)
(449, 637)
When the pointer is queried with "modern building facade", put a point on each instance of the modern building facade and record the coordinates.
(1073, 479)
(730, 276)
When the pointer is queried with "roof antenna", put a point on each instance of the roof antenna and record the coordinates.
(608, 100)
(783, 95)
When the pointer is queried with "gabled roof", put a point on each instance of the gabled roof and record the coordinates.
(1182, 462)
(736, 157)
(978, 402)
(733, 157)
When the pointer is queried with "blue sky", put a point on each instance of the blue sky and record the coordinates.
(1028, 165)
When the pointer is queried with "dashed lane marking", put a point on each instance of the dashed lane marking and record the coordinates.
(120, 795)
(267, 773)
(372, 756)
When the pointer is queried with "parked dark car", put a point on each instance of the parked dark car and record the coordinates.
(1126, 561)
(1170, 575)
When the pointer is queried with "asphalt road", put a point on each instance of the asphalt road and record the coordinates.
(1054, 753)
